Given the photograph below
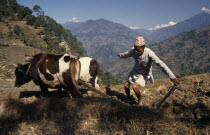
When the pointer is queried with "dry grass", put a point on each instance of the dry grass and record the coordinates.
(25, 113)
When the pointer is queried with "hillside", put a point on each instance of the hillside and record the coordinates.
(99, 34)
(187, 53)
(22, 33)
(22, 26)
(184, 112)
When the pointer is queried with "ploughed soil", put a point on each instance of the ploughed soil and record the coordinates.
(186, 111)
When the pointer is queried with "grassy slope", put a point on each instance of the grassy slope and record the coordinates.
(30, 34)
(185, 112)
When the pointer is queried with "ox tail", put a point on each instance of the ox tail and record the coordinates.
(75, 68)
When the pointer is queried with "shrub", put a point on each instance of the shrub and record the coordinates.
(17, 29)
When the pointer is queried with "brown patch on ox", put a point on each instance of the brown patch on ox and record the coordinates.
(94, 67)
(49, 62)
(69, 78)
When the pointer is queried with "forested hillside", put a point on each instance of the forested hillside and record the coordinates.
(187, 53)
(21, 25)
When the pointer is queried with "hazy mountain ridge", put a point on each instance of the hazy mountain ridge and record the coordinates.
(103, 39)
(195, 22)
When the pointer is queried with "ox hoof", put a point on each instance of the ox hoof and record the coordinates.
(43, 95)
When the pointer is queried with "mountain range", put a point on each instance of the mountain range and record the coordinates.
(103, 39)
(193, 23)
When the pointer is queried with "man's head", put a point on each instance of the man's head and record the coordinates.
(139, 45)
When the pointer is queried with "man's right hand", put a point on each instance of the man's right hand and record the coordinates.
(119, 54)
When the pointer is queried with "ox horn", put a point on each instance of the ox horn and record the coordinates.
(13, 64)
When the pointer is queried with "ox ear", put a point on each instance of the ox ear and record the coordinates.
(15, 65)
(75, 57)
(19, 65)
(28, 59)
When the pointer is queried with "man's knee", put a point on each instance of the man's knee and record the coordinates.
(126, 85)
(136, 86)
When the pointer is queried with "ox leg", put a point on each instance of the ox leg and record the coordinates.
(59, 92)
(59, 89)
(72, 87)
(75, 92)
(92, 82)
(44, 91)
(67, 91)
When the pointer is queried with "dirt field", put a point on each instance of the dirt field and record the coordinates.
(22, 111)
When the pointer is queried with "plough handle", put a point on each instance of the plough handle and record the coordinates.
(166, 96)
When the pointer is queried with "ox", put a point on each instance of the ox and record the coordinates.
(89, 71)
(50, 71)
(56, 71)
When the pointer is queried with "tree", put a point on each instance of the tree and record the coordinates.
(23, 12)
(17, 29)
(38, 10)
(40, 21)
(3, 2)
(30, 19)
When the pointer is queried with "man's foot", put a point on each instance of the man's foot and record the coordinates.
(140, 103)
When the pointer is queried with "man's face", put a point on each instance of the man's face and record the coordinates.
(139, 49)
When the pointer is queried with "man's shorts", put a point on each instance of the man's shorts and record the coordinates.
(138, 78)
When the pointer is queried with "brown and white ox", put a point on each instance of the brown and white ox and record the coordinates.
(89, 71)
(57, 71)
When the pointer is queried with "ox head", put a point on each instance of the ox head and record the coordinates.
(21, 74)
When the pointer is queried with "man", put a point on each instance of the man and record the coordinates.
(142, 70)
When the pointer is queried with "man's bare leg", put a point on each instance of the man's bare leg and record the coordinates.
(127, 88)
(136, 88)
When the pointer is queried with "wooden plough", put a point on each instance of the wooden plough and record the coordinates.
(99, 92)
(107, 96)
(93, 89)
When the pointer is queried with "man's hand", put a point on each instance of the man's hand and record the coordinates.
(119, 54)
(176, 81)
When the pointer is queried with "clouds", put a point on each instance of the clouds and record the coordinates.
(74, 20)
(134, 28)
(206, 10)
(171, 23)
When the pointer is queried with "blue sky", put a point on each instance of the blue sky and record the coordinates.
(136, 13)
